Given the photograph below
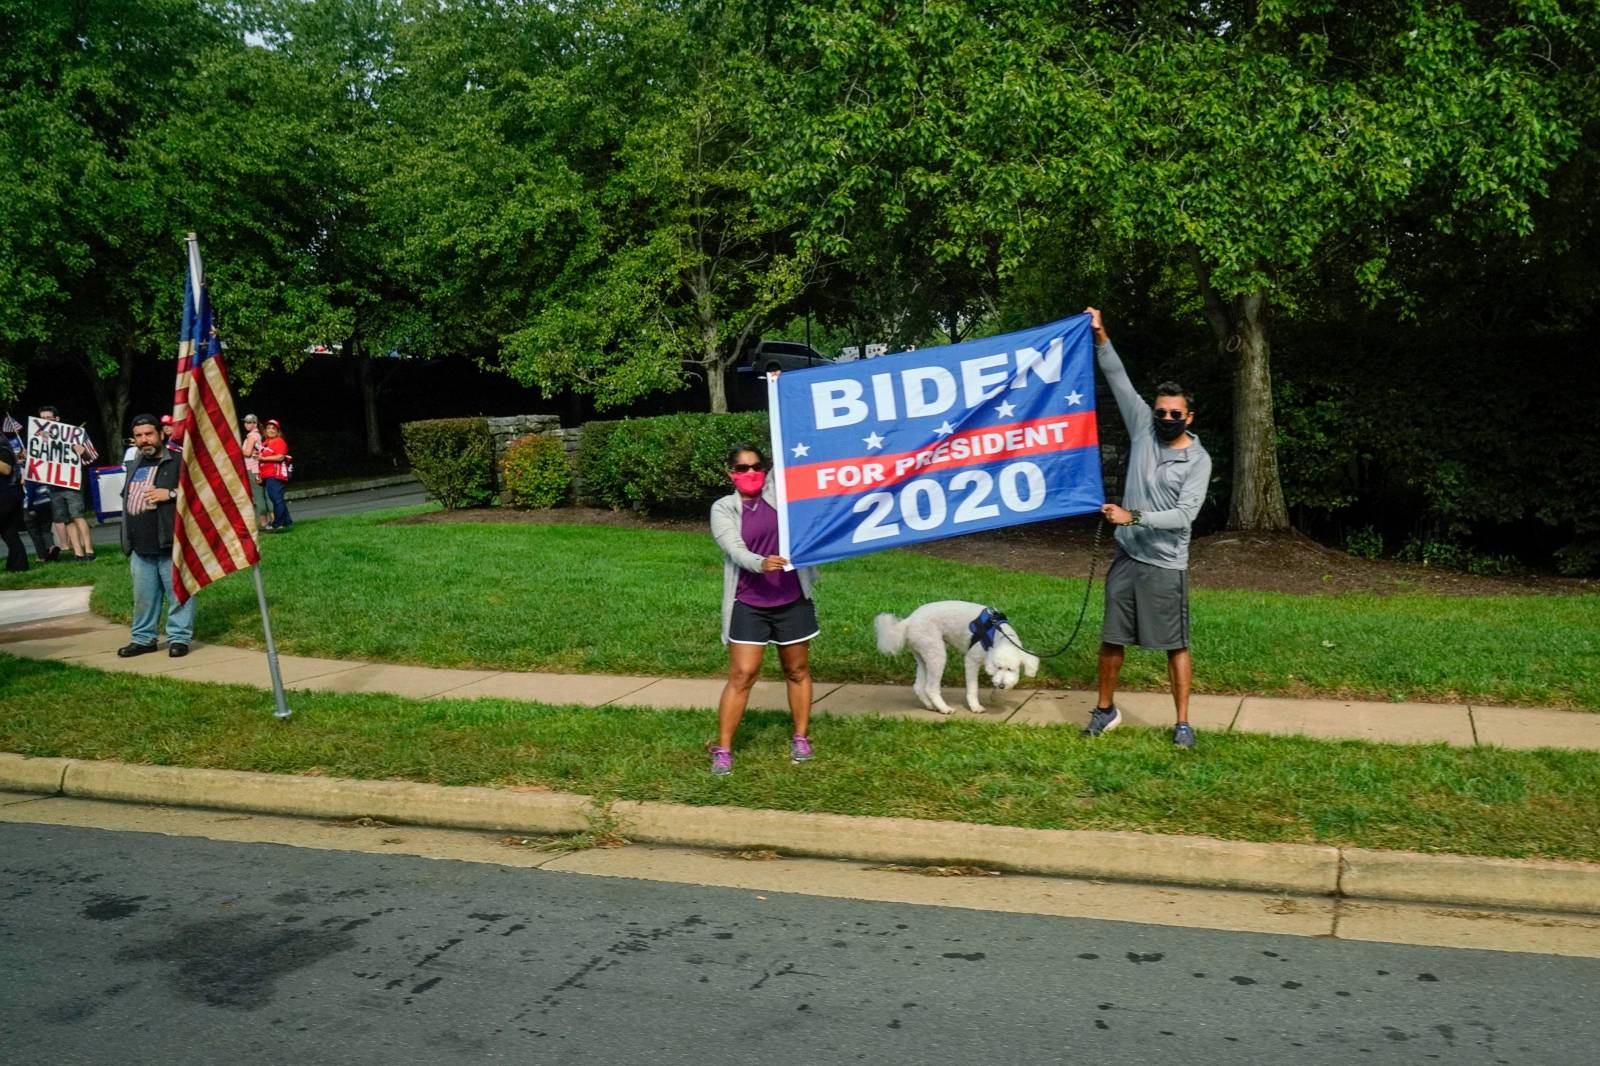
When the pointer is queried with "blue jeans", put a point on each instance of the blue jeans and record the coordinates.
(280, 508)
(152, 586)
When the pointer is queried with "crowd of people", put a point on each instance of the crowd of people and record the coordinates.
(54, 519)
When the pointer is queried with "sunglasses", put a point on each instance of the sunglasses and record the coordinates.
(1168, 415)
(745, 468)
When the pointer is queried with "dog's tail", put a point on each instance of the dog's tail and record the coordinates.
(891, 633)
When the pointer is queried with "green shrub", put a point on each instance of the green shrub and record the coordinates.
(534, 473)
(674, 464)
(454, 460)
(1492, 565)
(1366, 543)
(598, 479)
(1579, 558)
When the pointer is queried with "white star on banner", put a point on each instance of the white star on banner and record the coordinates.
(801, 450)
(1005, 408)
(872, 440)
(1074, 399)
(945, 429)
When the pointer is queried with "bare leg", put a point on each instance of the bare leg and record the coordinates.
(1180, 672)
(744, 664)
(796, 661)
(1111, 656)
(79, 530)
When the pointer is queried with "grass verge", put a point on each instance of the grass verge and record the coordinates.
(1479, 801)
(593, 599)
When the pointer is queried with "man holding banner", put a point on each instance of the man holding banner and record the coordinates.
(57, 455)
(1147, 587)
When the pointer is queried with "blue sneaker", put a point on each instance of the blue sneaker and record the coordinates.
(1183, 735)
(1102, 720)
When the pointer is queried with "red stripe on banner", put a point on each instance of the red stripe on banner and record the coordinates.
(233, 454)
(204, 462)
(846, 477)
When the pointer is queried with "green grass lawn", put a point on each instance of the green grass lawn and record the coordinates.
(601, 599)
(1482, 801)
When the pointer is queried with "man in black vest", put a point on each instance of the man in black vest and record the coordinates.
(149, 511)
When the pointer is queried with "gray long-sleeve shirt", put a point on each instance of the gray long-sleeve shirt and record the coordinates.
(1166, 485)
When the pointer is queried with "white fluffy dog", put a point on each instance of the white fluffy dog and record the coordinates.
(933, 625)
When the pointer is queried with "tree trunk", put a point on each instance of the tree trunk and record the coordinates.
(112, 397)
(716, 385)
(1240, 326)
(1257, 502)
(710, 359)
(369, 400)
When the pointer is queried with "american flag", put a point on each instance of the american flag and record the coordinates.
(11, 427)
(216, 527)
(90, 452)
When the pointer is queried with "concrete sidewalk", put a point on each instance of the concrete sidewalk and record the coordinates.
(87, 640)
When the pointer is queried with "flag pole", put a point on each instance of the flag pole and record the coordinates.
(282, 711)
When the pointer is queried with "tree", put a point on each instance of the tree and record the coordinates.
(1250, 142)
(1258, 141)
(680, 265)
(124, 127)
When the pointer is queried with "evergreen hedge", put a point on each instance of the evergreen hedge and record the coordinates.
(453, 458)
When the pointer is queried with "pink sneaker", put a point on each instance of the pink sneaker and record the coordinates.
(799, 750)
(721, 761)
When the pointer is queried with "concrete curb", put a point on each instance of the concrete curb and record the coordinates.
(1294, 868)
(351, 486)
(1299, 869)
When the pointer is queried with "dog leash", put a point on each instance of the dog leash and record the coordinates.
(1094, 557)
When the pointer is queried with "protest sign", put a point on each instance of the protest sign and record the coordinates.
(935, 443)
(53, 457)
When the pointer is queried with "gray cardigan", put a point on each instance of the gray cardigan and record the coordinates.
(726, 523)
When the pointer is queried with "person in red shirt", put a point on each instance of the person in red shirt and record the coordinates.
(275, 459)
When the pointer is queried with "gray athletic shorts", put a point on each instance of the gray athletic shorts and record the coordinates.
(1146, 605)
(65, 504)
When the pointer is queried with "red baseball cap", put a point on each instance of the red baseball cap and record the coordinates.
(166, 420)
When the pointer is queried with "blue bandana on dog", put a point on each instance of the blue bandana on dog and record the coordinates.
(985, 628)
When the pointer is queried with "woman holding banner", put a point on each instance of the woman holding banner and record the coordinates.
(763, 602)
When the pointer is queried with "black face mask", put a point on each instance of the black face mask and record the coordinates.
(1170, 430)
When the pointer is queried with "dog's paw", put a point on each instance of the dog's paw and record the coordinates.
(941, 708)
(976, 708)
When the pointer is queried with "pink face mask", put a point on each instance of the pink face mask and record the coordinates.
(749, 482)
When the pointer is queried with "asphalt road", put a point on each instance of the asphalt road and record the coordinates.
(139, 948)
(316, 507)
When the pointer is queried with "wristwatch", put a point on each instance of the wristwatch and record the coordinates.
(1137, 516)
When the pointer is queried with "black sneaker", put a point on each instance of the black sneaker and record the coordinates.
(128, 651)
(177, 651)
(1102, 720)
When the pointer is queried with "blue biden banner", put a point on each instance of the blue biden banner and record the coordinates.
(935, 443)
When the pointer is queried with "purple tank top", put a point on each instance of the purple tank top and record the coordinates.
(758, 525)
